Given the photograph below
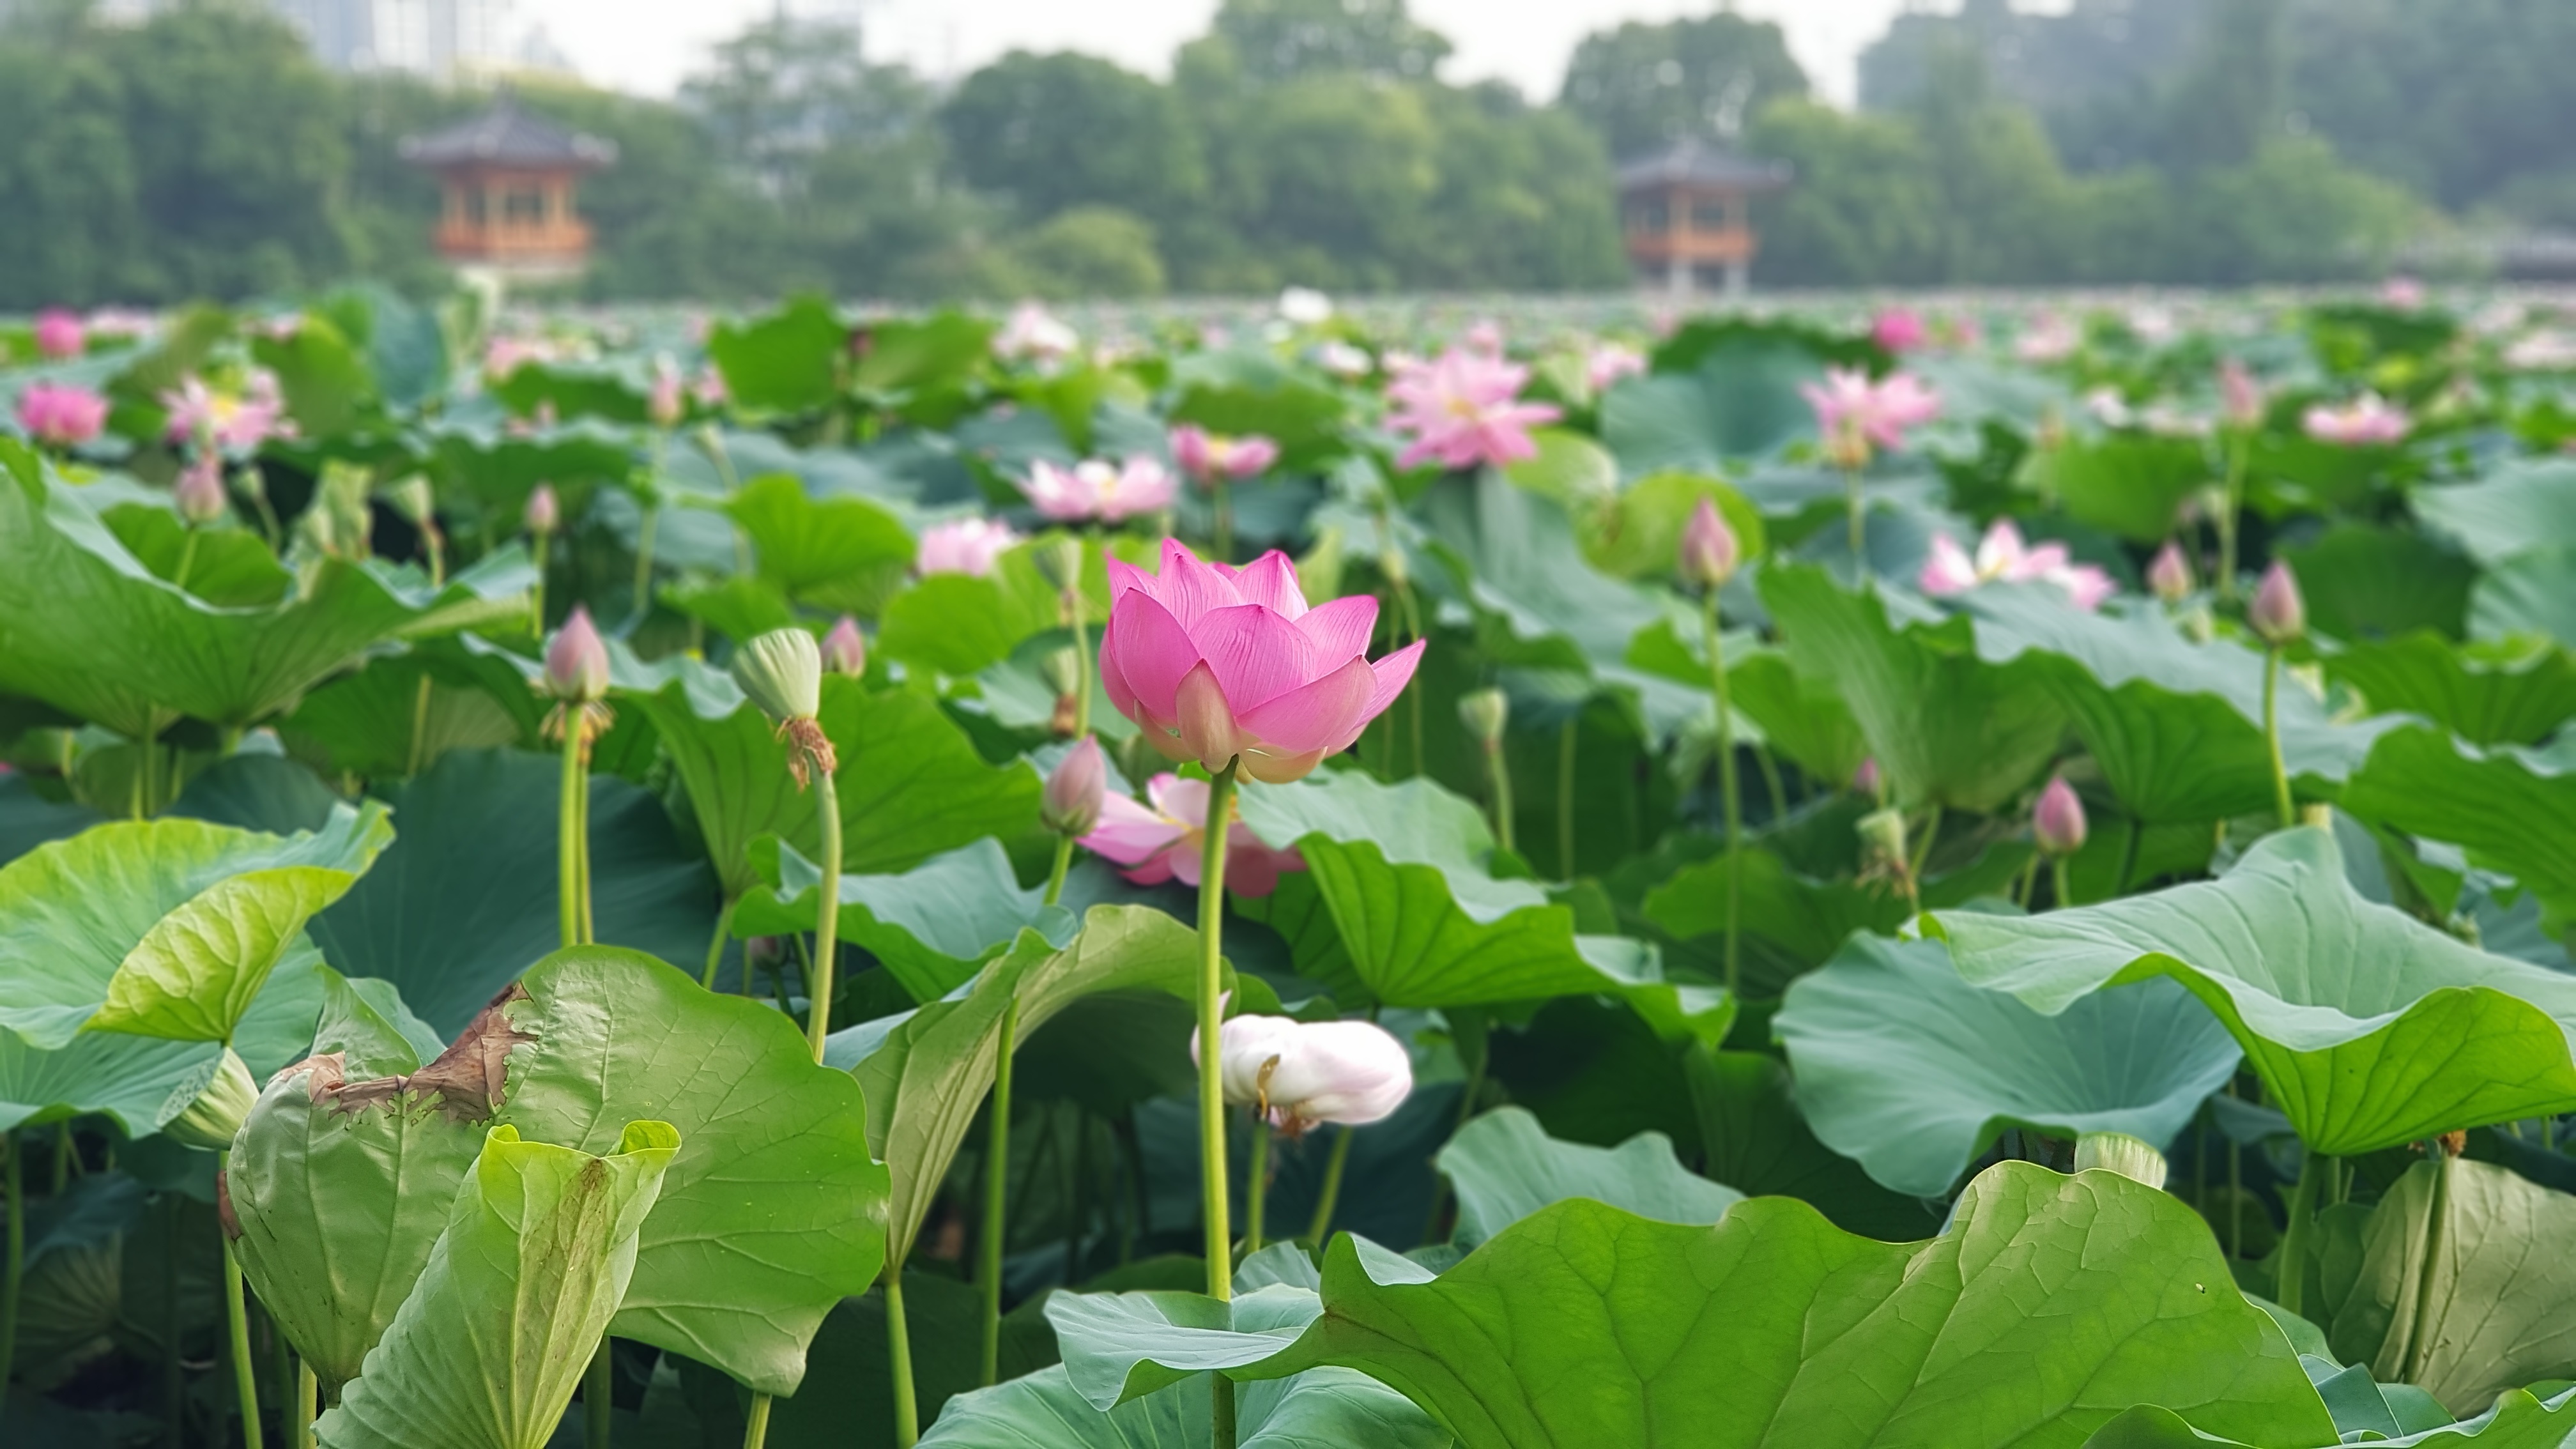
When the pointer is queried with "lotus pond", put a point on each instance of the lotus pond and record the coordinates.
(1994, 874)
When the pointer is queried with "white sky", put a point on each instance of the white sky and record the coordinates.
(648, 45)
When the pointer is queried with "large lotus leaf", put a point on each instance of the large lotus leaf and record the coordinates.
(1915, 1072)
(128, 1078)
(338, 1189)
(1638, 533)
(1795, 922)
(2528, 594)
(28, 819)
(932, 925)
(926, 1072)
(1423, 923)
(1801, 718)
(2364, 581)
(2049, 1305)
(1738, 398)
(1754, 1137)
(2519, 1421)
(1946, 727)
(911, 783)
(773, 1210)
(2131, 484)
(838, 553)
(374, 723)
(2368, 1027)
(2491, 1305)
(465, 899)
(165, 928)
(2512, 810)
(537, 1251)
(1325, 1409)
(1504, 1167)
(788, 361)
(2502, 692)
(87, 626)
(961, 624)
(732, 764)
(2528, 503)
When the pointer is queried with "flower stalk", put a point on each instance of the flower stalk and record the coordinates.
(236, 1320)
(997, 1171)
(14, 1145)
(1211, 1005)
(1331, 1196)
(1729, 791)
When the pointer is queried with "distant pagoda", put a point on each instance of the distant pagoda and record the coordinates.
(1683, 212)
(508, 178)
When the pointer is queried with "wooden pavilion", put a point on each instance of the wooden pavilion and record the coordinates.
(1684, 214)
(508, 178)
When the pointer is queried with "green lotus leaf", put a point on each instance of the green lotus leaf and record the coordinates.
(1504, 1167)
(911, 783)
(2519, 1421)
(1753, 1136)
(126, 1078)
(1793, 923)
(2530, 593)
(732, 764)
(165, 928)
(962, 624)
(772, 1211)
(2131, 484)
(932, 925)
(1638, 532)
(1737, 398)
(2368, 1027)
(1799, 717)
(537, 1251)
(2526, 504)
(373, 723)
(1402, 870)
(1946, 727)
(844, 554)
(786, 361)
(2050, 1305)
(1328, 1407)
(1915, 1073)
(2506, 692)
(2512, 810)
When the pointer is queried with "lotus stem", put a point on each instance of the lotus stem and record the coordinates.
(1567, 739)
(1212, 1161)
(15, 1146)
(1498, 771)
(236, 1317)
(755, 1430)
(2417, 1350)
(1256, 1184)
(827, 916)
(2272, 735)
(568, 823)
(2235, 1190)
(2231, 504)
(997, 1172)
(2029, 882)
(1859, 506)
(2292, 1285)
(1771, 785)
(644, 559)
(598, 1390)
(1727, 788)
(174, 1396)
(1056, 873)
(2057, 883)
(1923, 849)
(187, 559)
(537, 591)
(1224, 518)
(308, 1406)
(907, 1410)
(419, 727)
(1331, 1196)
(716, 946)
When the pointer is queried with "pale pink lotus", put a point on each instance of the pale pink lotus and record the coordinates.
(1207, 456)
(2368, 421)
(2003, 557)
(234, 421)
(666, 402)
(505, 355)
(59, 334)
(1034, 334)
(1853, 413)
(1097, 489)
(1608, 362)
(1899, 329)
(2240, 396)
(1217, 663)
(1168, 841)
(60, 414)
(1463, 410)
(1311, 1072)
(966, 546)
(2048, 338)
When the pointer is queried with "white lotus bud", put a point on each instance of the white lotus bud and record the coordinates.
(1349, 1072)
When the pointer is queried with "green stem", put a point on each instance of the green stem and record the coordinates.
(174, 1394)
(755, 1430)
(1498, 771)
(2272, 735)
(1212, 1162)
(2417, 1350)
(15, 1147)
(1056, 874)
(1332, 1193)
(1083, 673)
(997, 1172)
(62, 1179)
(187, 559)
(1727, 787)
(237, 1317)
(2235, 1191)
(537, 592)
(644, 559)
(148, 779)
(716, 945)
(2063, 897)
(1923, 846)
(308, 1406)
(2029, 882)
(1859, 506)
(1224, 519)
(1771, 785)
(907, 1409)
(1565, 755)
(2291, 1285)
(598, 1395)
(827, 915)
(568, 832)
(2231, 505)
(1256, 1184)
(419, 726)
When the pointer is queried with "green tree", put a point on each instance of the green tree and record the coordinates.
(1863, 209)
(1062, 130)
(1278, 40)
(1089, 251)
(1643, 85)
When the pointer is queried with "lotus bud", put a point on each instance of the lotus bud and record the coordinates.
(210, 1104)
(200, 489)
(1305, 1073)
(1390, 562)
(544, 513)
(577, 660)
(1063, 670)
(782, 671)
(2058, 820)
(413, 496)
(1074, 792)
(2240, 396)
(2278, 614)
(845, 649)
(1485, 713)
(2170, 574)
(1061, 562)
(1709, 552)
(1866, 779)
(1882, 838)
(2121, 1153)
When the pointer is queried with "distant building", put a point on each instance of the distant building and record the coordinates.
(1684, 214)
(507, 178)
(444, 39)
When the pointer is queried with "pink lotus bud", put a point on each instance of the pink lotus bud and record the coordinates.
(61, 414)
(1710, 552)
(2058, 820)
(200, 489)
(577, 660)
(845, 649)
(1350, 1072)
(59, 334)
(1898, 329)
(666, 402)
(2279, 615)
(1865, 780)
(2170, 574)
(1074, 792)
(544, 513)
(1194, 450)
(2240, 396)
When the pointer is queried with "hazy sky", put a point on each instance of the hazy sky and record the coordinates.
(649, 44)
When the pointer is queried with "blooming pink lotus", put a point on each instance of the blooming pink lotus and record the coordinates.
(1899, 329)
(2240, 396)
(666, 402)
(1169, 840)
(1034, 333)
(2368, 421)
(61, 415)
(1207, 456)
(1094, 489)
(1608, 362)
(1853, 413)
(966, 546)
(59, 334)
(1463, 410)
(2047, 338)
(2001, 555)
(1217, 663)
(236, 422)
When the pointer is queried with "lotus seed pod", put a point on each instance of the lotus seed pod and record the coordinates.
(209, 1106)
(2279, 615)
(1485, 713)
(782, 671)
(1882, 837)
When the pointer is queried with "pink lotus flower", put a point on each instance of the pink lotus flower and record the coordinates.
(1485, 338)
(577, 660)
(199, 490)
(2169, 576)
(2048, 338)
(1169, 840)
(505, 355)
(2365, 422)
(1093, 489)
(2403, 293)
(59, 334)
(667, 401)
(61, 415)
(1899, 329)
(1853, 413)
(2057, 821)
(708, 387)
(1462, 410)
(2240, 396)
(1218, 663)
(1033, 333)
(237, 422)
(1077, 790)
(2001, 556)
(1608, 362)
(1207, 456)
(1311, 1072)
(967, 546)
